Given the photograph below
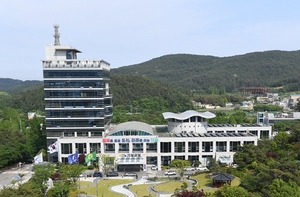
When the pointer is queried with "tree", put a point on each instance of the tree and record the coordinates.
(35, 136)
(105, 163)
(42, 173)
(214, 166)
(180, 165)
(232, 191)
(71, 173)
(297, 107)
(280, 188)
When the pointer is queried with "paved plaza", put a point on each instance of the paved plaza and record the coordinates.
(15, 174)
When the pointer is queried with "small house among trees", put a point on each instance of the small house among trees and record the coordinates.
(221, 179)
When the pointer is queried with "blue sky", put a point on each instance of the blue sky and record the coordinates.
(126, 32)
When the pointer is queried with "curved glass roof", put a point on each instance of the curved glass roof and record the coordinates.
(131, 128)
(188, 114)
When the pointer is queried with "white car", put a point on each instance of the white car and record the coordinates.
(154, 167)
(202, 169)
(189, 169)
(170, 173)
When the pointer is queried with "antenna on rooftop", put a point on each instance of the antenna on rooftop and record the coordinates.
(56, 35)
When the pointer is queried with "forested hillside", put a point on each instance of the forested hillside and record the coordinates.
(129, 88)
(200, 73)
(15, 85)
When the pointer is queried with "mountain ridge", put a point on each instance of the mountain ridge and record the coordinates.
(197, 72)
(274, 68)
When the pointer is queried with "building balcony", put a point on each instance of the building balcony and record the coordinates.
(75, 64)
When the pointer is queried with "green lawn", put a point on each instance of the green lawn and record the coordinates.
(84, 183)
(141, 190)
(103, 186)
(204, 181)
(168, 186)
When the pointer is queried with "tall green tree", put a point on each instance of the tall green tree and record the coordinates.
(41, 175)
(232, 191)
(180, 165)
(279, 188)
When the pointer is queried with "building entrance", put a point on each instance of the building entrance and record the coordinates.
(130, 168)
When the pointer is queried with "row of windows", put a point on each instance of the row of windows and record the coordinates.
(74, 94)
(75, 123)
(186, 126)
(73, 84)
(75, 74)
(130, 133)
(165, 147)
(75, 104)
(75, 113)
(66, 148)
(191, 119)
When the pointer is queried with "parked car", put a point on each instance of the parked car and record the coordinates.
(189, 169)
(154, 167)
(112, 174)
(133, 174)
(97, 174)
(170, 173)
(202, 169)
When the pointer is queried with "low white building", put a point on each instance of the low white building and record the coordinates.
(136, 145)
(265, 118)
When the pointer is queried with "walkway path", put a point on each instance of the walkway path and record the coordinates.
(127, 192)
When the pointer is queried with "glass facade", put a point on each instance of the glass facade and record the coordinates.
(77, 98)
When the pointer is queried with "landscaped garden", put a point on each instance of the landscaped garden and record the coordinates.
(161, 185)
(102, 187)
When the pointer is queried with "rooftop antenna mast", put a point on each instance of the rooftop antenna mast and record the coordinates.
(56, 35)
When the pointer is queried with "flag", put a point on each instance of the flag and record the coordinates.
(53, 148)
(90, 157)
(38, 159)
(73, 158)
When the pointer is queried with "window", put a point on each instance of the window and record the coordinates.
(207, 146)
(109, 147)
(234, 146)
(165, 147)
(179, 147)
(66, 148)
(81, 148)
(95, 147)
(123, 147)
(221, 146)
(151, 147)
(137, 147)
(193, 147)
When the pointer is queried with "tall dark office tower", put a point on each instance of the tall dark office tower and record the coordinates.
(78, 102)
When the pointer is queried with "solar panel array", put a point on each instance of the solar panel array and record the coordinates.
(231, 125)
(213, 135)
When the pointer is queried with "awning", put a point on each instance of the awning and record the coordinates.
(129, 160)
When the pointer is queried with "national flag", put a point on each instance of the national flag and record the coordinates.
(90, 157)
(73, 158)
(38, 159)
(53, 148)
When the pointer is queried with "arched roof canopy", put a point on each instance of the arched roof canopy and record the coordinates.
(132, 128)
(188, 114)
